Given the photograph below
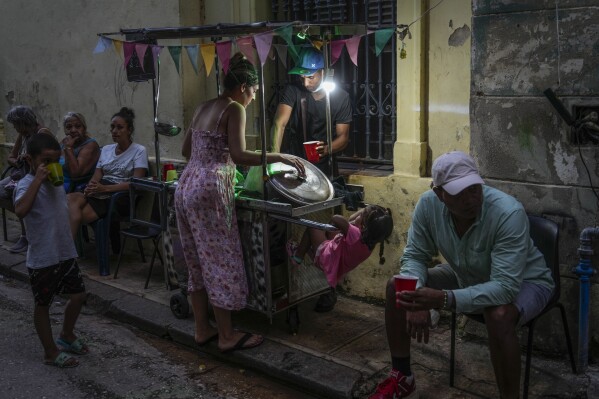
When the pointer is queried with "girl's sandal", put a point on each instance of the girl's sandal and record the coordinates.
(77, 347)
(63, 361)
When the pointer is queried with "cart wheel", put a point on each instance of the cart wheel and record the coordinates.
(180, 306)
(293, 319)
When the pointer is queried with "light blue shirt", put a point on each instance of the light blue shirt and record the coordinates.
(490, 261)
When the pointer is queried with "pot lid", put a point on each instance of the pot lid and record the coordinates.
(315, 187)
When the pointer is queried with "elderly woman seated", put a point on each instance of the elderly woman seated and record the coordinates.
(80, 153)
(118, 163)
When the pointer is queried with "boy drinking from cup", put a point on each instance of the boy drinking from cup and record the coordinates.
(51, 256)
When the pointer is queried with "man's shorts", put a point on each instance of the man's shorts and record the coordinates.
(530, 301)
(62, 278)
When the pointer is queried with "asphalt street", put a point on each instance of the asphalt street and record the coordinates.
(123, 362)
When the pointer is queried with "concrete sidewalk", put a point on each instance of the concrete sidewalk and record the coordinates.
(340, 354)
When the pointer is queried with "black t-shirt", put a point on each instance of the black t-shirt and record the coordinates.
(316, 125)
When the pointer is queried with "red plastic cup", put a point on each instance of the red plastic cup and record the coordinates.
(404, 283)
(311, 153)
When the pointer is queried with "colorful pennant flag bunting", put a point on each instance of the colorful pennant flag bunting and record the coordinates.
(223, 50)
(208, 56)
(175, 52)
(256, 48)
(263, 44)
(246, 46)
(192, 53)
(381, 37)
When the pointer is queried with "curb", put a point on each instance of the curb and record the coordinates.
(303, 371)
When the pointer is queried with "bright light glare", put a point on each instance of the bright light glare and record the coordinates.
(329, 86)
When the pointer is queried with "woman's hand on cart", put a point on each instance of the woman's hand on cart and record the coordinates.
(296, 162)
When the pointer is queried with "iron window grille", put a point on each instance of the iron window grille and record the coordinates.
(371, 85)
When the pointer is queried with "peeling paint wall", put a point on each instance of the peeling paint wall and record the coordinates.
(519, 49)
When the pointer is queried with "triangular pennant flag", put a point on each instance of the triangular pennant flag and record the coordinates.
(246, 46)
(155, 52)
(286, 32)
(103, 44)
(223, 50)
(282, 52)
(318, 44)
(118, 47)
(208, 56)
(129, 47)
(336, 49)
(263, 42)
(175, 52)
(140, 50)
(192, 53)
(381, 37)
(352, 46)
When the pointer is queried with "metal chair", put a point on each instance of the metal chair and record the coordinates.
(142, 227)
(545, 234)
(6, 203)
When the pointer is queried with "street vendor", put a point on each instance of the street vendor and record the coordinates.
(301, 113)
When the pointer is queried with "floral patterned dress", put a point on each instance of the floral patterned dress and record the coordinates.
(205, 206)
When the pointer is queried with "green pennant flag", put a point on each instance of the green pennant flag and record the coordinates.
(381, 37)
(286, 33)
(175, 52)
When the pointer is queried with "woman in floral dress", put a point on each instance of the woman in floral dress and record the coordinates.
(205, 205)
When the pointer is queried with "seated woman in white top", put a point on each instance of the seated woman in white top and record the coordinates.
(118, 163)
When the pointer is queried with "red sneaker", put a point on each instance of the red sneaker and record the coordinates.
(396, 386)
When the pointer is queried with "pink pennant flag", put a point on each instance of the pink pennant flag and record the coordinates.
(282, 52)
(246, 46)
(263, 43)
(207, 51)
(140, 50)
(223, 50)
(336, 49)
(353, 45)
(128, 48)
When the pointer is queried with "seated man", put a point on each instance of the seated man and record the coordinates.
(493, 269)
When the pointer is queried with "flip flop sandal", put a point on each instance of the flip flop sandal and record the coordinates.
(63, 361)
(77, 347)
(241, 344)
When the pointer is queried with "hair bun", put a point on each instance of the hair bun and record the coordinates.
(127, 111)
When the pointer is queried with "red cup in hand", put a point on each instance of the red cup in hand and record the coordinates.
(404, 283)
(311, 153)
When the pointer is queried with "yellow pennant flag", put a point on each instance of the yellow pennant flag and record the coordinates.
(208, 50)
(118, 47)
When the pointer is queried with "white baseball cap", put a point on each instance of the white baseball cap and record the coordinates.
(454, 171)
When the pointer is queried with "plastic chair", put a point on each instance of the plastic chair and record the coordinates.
(545, 235)
(144, 228)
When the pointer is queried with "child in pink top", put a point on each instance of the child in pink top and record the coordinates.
(338, 253)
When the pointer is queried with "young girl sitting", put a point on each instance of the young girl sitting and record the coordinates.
(338, 253)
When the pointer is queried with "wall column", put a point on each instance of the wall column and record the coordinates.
(410, 149)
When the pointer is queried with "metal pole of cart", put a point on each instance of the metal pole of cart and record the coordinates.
(328, 103)
(263, 133)
(156, 93)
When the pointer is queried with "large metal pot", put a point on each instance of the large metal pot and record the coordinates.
(284, 180)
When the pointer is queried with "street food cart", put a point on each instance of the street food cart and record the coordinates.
(268, 209)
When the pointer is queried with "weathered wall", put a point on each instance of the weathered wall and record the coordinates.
(519, 49)
(47, 62)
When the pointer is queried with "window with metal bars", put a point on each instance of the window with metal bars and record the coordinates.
(371, 85)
